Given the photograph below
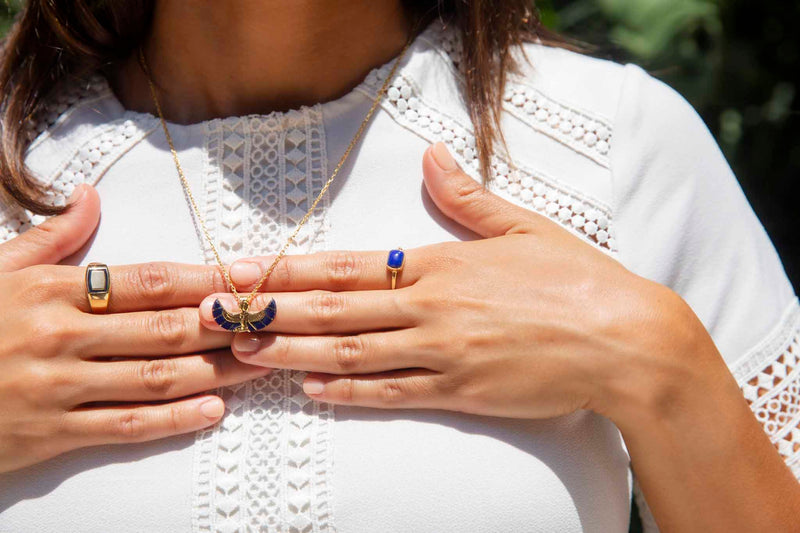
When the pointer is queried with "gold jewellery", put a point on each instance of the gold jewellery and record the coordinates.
(98, 287)
(246, 320)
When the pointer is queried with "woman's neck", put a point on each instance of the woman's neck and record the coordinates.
(214, 59)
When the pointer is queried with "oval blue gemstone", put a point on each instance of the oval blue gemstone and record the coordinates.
(395, 259)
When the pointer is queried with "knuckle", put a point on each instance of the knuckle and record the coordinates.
(391, 391)
(169, 326)
(280, 352)
(429, 301)
(32, 380)
(47, 235)
(347, 389)
(216, 280)
(129, 425)
(326, 307)
(155, 280)
(53, 336)
(452, 383)
(467, 191)
(283, 272)
(467, 386)
(43, 280)
(175, 417)
(348, 353)
(158, 375)
(342, 268)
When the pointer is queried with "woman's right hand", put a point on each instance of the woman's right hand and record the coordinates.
(70, 378)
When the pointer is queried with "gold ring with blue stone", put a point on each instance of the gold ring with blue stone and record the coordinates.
(394, 263)
(98, 287)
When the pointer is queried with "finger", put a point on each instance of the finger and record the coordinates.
(336, 271)
(165, 378)
(145, 333)
(355, 354)
(57, 237)
(138, 423)
(468, 202)
(143, 286)
(399, 389)
(316, 312)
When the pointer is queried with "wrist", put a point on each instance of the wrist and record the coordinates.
(665, 361)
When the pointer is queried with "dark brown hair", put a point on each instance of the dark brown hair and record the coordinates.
(53, 40)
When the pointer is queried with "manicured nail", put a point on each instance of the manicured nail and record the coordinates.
(245, 273)
(206, 309)
(212, 408)
(313, 386)
(442, 157)
(246, 344)
(77, 194)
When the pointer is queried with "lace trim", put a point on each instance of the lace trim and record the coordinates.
(87, 165)
(59, 103)
(585, 134)
(70, 95)
(583, 216)
(268, 465)
(769, 377)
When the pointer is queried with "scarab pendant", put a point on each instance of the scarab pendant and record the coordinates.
(243, 321)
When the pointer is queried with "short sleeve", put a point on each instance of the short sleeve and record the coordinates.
(683, 221)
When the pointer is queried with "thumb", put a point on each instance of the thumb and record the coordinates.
(466, 201)
(58, 236)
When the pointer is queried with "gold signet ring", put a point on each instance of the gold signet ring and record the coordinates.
(98, 286)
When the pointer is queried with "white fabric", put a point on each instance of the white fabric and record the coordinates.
(614, 156)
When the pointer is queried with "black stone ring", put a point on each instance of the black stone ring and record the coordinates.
(98, 287)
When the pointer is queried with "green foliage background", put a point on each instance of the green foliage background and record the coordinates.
(735, 61)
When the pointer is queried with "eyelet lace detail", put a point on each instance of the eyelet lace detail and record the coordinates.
(267, 465)
(770, 380)
(69, 95)
(588, 135)
(586, 217)
(87, 165)
(584, 134)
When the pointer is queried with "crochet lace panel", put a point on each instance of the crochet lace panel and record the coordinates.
(267, 466)
(64, 100)
(586, 217)
(88, 163)
(769, 376)
(586, 133)
(770, 380)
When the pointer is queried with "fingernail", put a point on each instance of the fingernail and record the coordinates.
(77, 194)
(212, 408)
(246, 344)
(245, 273)
(313, 386)
(442, 157)
(206, 309)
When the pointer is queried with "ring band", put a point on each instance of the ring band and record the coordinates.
(395, 263)
(98, 287)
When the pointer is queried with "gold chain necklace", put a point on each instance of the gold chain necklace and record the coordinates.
(247, 321)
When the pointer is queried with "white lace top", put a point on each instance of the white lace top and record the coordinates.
(614, 156)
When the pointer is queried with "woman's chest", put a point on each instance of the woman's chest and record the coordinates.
(280, 461)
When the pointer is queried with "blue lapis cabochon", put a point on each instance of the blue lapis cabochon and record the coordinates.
(396, 258)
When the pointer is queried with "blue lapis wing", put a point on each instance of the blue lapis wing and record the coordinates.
(244, 321)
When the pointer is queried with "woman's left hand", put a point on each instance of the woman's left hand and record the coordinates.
(528, 322)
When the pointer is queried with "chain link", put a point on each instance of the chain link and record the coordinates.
(305, 218)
